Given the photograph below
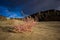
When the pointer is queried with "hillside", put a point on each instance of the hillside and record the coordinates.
(48, 15)
(42, 31)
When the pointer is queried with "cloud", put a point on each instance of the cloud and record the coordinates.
(58, 8)
(10, 14)
(14, 15)
(13, 8)
(43, 5)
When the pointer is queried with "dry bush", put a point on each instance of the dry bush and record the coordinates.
(24, 25)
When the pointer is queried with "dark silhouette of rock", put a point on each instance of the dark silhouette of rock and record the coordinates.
(48, 15)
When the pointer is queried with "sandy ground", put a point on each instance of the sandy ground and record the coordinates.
(42, 31)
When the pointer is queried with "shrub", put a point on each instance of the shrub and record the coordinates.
(25, 26)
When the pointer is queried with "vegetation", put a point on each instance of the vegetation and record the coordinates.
(19, 25)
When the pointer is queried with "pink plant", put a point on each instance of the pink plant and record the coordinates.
(26, 26)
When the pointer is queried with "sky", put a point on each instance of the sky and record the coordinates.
(22, 8)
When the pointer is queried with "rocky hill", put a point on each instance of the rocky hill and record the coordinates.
(48, 15)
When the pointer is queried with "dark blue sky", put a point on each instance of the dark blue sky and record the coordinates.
(21, 8)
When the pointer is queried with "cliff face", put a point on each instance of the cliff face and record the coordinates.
(49, 15)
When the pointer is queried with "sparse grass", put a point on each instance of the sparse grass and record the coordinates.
(18, 25)
(42, 31)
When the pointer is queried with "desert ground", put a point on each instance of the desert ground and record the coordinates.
(42, 31)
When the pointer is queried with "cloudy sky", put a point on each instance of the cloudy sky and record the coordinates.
(22, 8)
